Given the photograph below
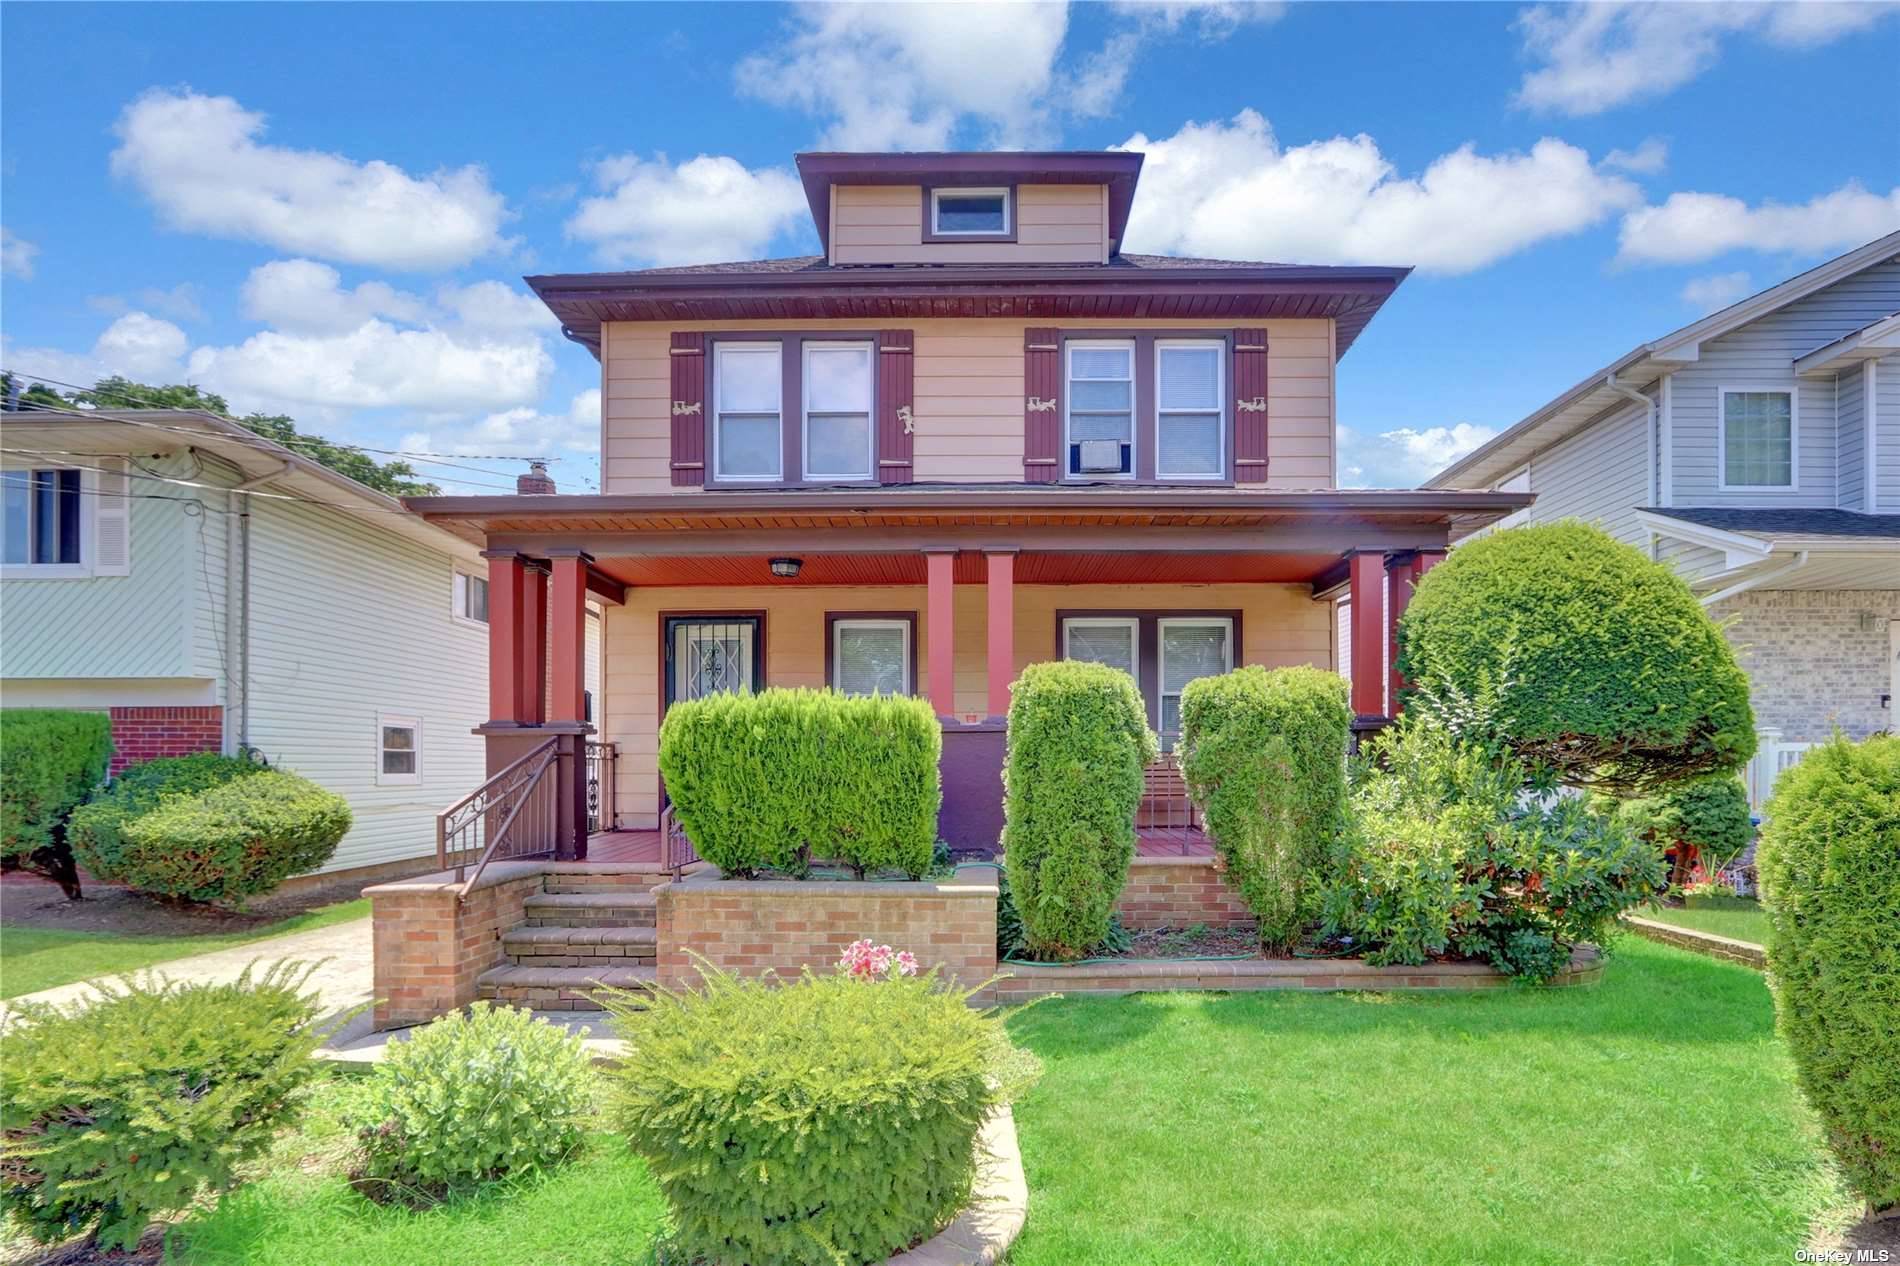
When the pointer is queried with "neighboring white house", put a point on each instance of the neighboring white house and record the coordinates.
(217, 591)
(1757, 451)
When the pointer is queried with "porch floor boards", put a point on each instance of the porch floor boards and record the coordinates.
(643, 847)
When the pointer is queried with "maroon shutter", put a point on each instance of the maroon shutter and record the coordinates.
(896, 398)
(1250, 406)
(1042, 406)
(689, 410)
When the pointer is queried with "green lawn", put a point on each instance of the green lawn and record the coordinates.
(1652, 1119)
(1749, 925)
(32, 959)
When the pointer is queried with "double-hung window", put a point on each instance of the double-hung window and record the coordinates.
(1758, 439)
(471, 597)
(838, 378)
(1190, 647)
(871, 656)
(399, 750)
(1111, 640)
(1162, 652)
(42, 524)
(748, 412)
(969, 212)
(1190, 409)
(1100, 395)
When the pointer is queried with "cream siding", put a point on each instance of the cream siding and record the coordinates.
(884, 224)
(969, 398)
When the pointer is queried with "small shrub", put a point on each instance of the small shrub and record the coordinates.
(1447, 854)
(1708, 815)
(49, 762)
(773, 780)
(134, 1103)
(1011, 943)
(827, 1119)
(1611, 672)
(469, 1098)
(1078, 741)
(1264, 755)
(1830, 876)
(208, 828)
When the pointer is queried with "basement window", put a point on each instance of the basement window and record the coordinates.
(969, 212)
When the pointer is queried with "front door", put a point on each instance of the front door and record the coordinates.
(711, 654)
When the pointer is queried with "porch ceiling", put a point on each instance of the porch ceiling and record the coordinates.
(1032, 568)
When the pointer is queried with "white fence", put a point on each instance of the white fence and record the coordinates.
(1772, 756)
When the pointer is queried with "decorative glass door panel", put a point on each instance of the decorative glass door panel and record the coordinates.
(709, 655)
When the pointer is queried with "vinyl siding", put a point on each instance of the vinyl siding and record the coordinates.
(1598, 476)
(1691, 562)
(1850, 408)
(969, 398)
(1887, 439)
(1761, 354)
(884, 224)
(1280, 625)
(348, 621)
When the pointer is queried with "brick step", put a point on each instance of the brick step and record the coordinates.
(579, 947)
(589, 909)
(608, 881)
(559, 988)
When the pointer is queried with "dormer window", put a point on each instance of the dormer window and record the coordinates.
(969, 213)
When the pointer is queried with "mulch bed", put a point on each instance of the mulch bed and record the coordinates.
(29, 902)
(1194, 942)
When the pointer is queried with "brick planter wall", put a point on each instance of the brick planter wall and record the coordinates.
(1726, 948)
(430, 943)
(1179, 892)
(750, 927)
(142, 734)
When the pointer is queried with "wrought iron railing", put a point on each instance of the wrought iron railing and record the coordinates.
(513, 814)
(600, 787)
(1166, 814)
(676, 851)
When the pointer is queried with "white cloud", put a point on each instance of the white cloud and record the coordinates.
(1437, 446)
(181, 301)
(1212, 19)
(1595, 56)
(1230, 190)
(200, 161)
(495, 307)
(1712, 294)
(1690, 227)
(1646, 159)
(709, 209)
(1403, 457)
(137, 345)
(904, 76)
(16, 255)
(525, 430)
(305, 297)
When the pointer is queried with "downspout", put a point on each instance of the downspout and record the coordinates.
(1650, 478)
(237, 615)
(1740, 587)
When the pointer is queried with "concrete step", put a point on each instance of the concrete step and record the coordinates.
(562, 880)
(579, 946)
(590, 909)
(559, 988)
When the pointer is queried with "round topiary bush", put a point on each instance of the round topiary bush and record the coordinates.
(1829, 863)
(1709, 815)
(1601, 665)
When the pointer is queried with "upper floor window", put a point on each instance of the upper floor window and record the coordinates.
(838, 410)
(747, 412)
(1101, 407)
(969, 212)
(1758, 439)
(1190, 411)
(42, 517)
(471, 597)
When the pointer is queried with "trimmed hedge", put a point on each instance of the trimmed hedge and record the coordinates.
(1829, 864)
(50, 761)
(777, 779)
(1607, 669)
(137, 1101)
(1264, 755)
(208, 828)
(1709, 814)
(822, 1120)
(1078, 741)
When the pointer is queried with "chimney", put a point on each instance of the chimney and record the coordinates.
(536, 483)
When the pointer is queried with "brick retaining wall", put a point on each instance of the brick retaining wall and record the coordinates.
(1179, 892)
(1726, 948)
(430, 943)
(142, 734)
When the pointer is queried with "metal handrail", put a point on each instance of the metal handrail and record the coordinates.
(506, 792)
(676, 851)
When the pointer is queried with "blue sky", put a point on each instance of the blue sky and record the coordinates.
(326, 210)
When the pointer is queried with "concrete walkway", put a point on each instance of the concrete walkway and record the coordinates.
(343, 981)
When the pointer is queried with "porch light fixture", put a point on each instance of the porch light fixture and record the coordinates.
(787, 568)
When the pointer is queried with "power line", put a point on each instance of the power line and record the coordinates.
(191, 483)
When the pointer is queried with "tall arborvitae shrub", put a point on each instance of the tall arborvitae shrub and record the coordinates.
(774, 780)
(50, 761)
(1078, 741)
(1829, 863)
(1264, 755)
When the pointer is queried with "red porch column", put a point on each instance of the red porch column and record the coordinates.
(505, 593)
(568, 647)
(1403, 573)
(533, 660)
(1000, 578)
(1367, 583)
(940, 609)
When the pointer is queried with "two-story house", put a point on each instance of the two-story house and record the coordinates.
(972, 434)
(1757, 451)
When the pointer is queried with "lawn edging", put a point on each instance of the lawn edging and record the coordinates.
(1725, 948)
(999, 1204)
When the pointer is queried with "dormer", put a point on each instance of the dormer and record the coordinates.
(970, 208)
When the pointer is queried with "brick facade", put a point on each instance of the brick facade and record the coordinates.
(1816, 658)
(142, 734)
(431, 943)
(752, 926)
(1179, 892)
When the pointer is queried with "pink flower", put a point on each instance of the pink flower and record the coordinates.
(862, 960)
(907, 964)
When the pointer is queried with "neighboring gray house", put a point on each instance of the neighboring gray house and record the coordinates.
(1757, 451)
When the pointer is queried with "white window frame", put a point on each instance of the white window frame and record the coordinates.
(1130, 622)
(804, 416)
(837, 648)
(1161, 653)
(400, 721)
(1790, 390)
(1219, 347)
(749, 347)
(1069, 348)
(958, 191)
(88, 508)
(459, 580)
